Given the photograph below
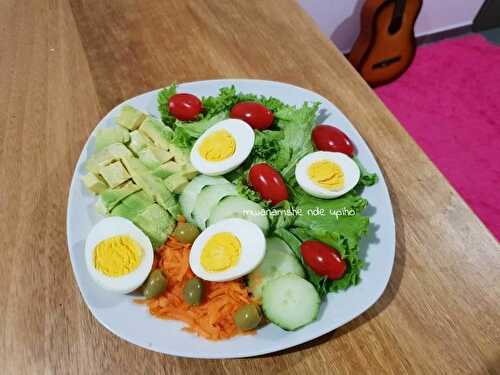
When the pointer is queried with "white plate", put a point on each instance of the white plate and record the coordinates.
(133, 323)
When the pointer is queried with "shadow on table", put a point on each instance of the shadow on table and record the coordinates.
(386, 298)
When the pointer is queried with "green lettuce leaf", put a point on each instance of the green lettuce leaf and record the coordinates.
(213, 105)
(163, 97)
(338, 223)
(228, 97)
(266, 144)
(186, 133)
(296, 124)
(367, 178)
(247, 192)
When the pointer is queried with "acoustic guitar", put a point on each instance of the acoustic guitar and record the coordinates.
(386, 44)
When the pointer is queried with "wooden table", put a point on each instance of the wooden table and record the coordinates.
(64, 64)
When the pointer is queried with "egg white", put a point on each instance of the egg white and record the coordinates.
(348, 166)
(244, 137)
(116, 226)
(253, 249)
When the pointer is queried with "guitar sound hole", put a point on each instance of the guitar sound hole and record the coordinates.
(385, 63)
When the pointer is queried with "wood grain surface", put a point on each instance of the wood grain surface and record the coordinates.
(64, 64)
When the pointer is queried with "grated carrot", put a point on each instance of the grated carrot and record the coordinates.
(213, 318)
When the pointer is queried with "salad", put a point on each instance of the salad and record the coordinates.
(227, 213)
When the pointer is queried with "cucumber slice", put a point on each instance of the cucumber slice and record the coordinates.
(208, 198)
(290, 302)
(239, 207)
(188, 197)
(278, 261)
(277, 243)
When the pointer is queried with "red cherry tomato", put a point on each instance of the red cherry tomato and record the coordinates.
(329, 138)
(254, 114)
(184, 107)
(268, 183)
(323, 259)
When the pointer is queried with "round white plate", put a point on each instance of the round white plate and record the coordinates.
(133, 322)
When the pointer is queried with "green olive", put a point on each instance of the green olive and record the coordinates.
(186, 232)
(155, 284)
(248, 317)
(193, 291)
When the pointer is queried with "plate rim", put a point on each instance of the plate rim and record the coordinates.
(253, 353)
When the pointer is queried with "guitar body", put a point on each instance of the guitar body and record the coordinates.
(386, 44)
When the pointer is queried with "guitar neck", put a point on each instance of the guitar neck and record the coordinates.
(399, 9)
(397, 16)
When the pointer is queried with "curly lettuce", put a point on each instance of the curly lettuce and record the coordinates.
(297, 125)
(186, 133)
(228, 97)
(337, 222)
(163, 97)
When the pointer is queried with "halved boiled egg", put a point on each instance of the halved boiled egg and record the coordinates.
(223, 147)
(227, 250)
(119, 256)
(325, 174)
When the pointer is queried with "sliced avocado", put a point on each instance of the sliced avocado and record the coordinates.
(162, 155)
(139, 200)
(167, 169)
(181, 156)
(148, 158)
(124, 211)
(151, 184)
(109, 198)
(132, 206)
(138, 141)
(106, 156)
(114, 174)
(176, 182)
(158, 132)
(130, 118)
(189, 171)
(94, 183)
(108, 136)
(153, 156)
(156, 223)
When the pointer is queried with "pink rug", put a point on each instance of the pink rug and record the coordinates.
(449, 101)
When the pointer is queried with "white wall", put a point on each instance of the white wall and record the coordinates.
(339, 19)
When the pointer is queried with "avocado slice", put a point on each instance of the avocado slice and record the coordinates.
(94, 183)
(106, 156)
(167, 169)
(158, 132)
(171, 167)
(132, 206)
(139, 201)
(108, 136)
(114, 174)
(153, 156)
(176, 182)
(138, 141)
(189, 171)
(110, 198)
(181, 155)
(156, 223)
(152, 185)
(130, 118)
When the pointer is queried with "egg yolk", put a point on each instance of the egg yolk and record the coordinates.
(221, 252)
(117, 256)
(217, 146)
(326, 174)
